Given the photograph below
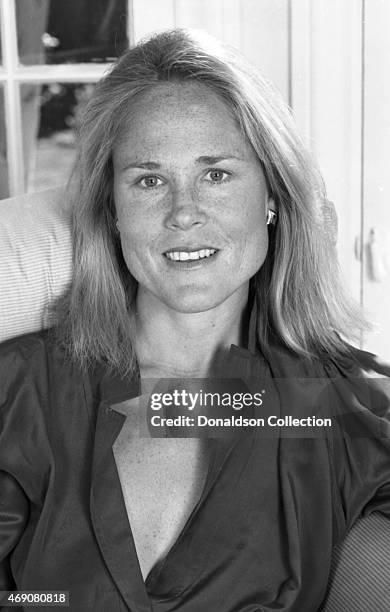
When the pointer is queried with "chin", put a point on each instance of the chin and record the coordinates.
(196, 302)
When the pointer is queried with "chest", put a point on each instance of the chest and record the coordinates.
(162, 480)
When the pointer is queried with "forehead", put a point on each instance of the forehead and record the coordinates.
(182, 114)
(179, 98)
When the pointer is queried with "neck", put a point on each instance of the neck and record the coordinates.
(177, 344)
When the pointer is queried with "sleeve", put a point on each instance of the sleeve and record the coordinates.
(14, 513)
(24, 448)
(360, 441)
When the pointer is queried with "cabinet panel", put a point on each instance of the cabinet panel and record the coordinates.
(326, 81)
(376, 174)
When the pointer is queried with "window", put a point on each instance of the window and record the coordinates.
(51, 54)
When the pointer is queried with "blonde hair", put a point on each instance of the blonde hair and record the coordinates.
(299, 295)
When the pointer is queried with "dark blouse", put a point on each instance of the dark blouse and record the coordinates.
(260, 537)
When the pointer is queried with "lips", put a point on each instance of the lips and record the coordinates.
(193, 254)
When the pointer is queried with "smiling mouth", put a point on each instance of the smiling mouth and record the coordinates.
(190, 255)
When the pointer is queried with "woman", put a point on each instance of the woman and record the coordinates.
(200, 252)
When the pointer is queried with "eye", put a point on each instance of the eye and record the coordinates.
(150, 181)
(217, 176)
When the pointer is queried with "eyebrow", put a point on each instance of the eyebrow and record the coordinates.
(204, 159)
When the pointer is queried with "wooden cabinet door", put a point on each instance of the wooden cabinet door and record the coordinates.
(340, 83)
(376, 174)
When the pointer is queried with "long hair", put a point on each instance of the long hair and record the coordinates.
(298, 293)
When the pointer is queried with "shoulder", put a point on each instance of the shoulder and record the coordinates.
(352, 362)
(365, 379)
(352, 380)
(22, 353)
(34, 365)
(23, 356)
(358, 361)
(25, 346)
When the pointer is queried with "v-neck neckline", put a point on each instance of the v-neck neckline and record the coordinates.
(218, 450)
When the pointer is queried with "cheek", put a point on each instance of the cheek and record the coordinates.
(136, 259)
(252, 236)
(250, 226)
(256, 249)
(137, 220)
(134, 227)
(133, 246)
(132, 233)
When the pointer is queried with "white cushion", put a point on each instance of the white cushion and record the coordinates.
(35, 259)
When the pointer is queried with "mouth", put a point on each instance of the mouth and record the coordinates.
(186, 255)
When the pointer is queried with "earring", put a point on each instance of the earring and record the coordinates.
(271, 217)
(117, 226)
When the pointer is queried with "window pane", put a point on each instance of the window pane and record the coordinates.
(4, 192)
(50, 114)
(68, 31)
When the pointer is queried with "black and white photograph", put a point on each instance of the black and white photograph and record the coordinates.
(194, 305)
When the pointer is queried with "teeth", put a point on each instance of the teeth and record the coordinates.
(192, 256)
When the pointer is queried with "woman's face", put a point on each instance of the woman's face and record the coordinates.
(191, 199)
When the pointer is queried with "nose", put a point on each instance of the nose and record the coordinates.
(185, 211)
